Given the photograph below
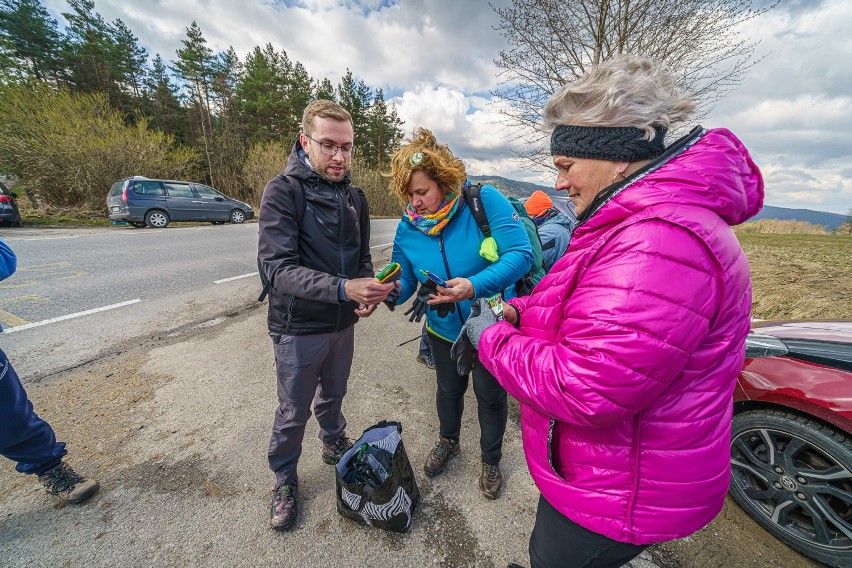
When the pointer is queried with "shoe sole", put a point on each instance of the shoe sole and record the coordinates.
(283, 527)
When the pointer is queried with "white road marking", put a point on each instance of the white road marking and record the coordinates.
(235, 278)
(49, 238)
(70, 316)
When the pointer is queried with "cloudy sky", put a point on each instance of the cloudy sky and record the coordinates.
(434, 60)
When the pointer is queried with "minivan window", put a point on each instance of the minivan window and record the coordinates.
(179, 189)
(116, 188)
(148, 188)
(206, 192)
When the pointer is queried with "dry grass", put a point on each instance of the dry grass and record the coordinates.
(800, 276)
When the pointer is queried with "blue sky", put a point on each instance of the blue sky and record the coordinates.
(434, 60)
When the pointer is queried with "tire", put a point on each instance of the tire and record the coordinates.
(137, 225)
(238, 216)
(157, 219)
(793, 475)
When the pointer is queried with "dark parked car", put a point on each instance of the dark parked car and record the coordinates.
(9, 213)
(791, 444)
(156, 202)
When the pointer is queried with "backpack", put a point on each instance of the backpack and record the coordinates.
(527, 282)
(299, 209)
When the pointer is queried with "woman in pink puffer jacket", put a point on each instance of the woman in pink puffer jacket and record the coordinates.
(625, 356)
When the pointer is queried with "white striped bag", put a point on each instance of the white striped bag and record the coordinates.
(391, 505)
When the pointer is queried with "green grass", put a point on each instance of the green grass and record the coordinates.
(800, 276)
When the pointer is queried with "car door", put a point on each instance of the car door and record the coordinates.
(216, 205)
(182, 202)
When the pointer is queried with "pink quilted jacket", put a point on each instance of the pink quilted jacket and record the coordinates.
(628, 350)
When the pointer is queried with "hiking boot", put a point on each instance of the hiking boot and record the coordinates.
(68, 484)
(490, 481)
(426, 360)
(282, 512)
(331, 453)
(439, 457)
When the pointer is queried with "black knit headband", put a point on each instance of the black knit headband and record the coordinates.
(619, 144)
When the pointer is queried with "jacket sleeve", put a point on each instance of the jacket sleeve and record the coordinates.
(278, 248)
(645, 302)
(8, 261)
(560, 235)
(513, 246)
(365, 264)
(408, 279)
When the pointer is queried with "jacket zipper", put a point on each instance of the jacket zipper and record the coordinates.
(447, 268)
(340, 219)
(550, 428)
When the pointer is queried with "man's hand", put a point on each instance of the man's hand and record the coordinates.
(510, 314)
(462, 289)
(367, 291)
(364, 311)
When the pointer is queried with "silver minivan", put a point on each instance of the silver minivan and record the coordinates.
(155, 203)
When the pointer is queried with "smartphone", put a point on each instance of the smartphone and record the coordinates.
(391, 273)
(434, 278)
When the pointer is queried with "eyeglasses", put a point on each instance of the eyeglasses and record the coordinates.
(330, 149)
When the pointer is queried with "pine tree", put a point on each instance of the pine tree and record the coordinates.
(163, 105)
(29, 41)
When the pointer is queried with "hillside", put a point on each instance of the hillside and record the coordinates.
(512, 187)
(521, 189)
(830, 220)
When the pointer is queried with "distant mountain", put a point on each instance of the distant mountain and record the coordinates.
(522, 189)
(512, 187)
(830, 220)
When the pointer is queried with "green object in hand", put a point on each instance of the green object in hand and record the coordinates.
(391, 273)
(488, 250)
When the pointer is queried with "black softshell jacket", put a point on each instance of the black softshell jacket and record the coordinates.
(305, 263)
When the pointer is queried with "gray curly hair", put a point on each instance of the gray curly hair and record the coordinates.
(626, 90)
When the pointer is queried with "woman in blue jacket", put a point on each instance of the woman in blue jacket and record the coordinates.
(437, 233)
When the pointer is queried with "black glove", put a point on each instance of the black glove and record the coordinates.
(463, 351)
(390, 301)
(418, 308)
(444, 309)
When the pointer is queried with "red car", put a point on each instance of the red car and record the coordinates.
(791, 444)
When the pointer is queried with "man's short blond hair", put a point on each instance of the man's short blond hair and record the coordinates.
(324, 109)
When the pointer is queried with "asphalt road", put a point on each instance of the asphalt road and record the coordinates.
(168, 402)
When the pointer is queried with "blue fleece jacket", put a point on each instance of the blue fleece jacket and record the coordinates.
(454, 253)
(8, 261)
(557, 229)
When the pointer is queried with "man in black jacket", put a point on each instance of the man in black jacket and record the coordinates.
(314, 248)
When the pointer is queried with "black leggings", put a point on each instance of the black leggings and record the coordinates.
(490, 398)
(558, 542)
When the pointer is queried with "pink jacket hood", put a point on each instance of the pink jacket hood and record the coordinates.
(627, 352)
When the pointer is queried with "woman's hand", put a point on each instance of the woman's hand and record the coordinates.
(461, 289)
(510, 314)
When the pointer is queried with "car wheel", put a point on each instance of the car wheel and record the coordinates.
(238, 216)
(137, 224)
(157, 219)
(793, 475)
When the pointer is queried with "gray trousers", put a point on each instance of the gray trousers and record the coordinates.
(310, 368)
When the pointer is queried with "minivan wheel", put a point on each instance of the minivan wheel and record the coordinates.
(238, 216)
(157, 219)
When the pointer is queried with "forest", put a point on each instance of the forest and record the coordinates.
(83, 105)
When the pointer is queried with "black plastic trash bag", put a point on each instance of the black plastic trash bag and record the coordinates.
(375, 481)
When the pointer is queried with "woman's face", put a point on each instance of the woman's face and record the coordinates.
(424, 194)
(584, 178)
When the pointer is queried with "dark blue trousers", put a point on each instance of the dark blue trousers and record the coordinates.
(24, 437)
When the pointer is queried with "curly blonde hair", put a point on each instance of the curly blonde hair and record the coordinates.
(423, 153)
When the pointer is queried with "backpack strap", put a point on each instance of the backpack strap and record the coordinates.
(473, 199)
(299, 207)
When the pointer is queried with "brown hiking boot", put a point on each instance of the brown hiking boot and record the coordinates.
(282, 512)
(490, 481)
(439, 457)
(68, 484)
(331, 453)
